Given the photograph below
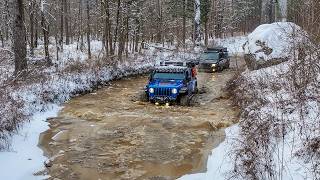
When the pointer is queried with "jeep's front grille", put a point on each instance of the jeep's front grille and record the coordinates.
(162, 91)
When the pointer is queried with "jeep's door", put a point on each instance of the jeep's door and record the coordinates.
(191, 82)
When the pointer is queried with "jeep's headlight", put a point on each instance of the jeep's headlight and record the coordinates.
(151, 90)
(213, 65)
(174, 91)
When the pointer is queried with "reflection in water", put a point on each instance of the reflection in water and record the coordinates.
(213, 78)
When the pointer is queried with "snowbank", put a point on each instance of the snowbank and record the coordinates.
(274, 41)
(278, 135)
(286, 115)
(220, 162)
(25, 158)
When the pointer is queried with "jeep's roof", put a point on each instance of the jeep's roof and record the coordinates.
(188, 64)
(171, 68)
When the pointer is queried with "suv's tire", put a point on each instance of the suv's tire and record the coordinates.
(143, 97)
(184, 100)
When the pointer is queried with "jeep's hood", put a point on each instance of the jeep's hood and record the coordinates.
(166, 83)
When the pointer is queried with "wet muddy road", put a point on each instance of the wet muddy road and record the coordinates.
(109, 135)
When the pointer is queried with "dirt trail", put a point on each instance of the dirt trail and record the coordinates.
(107, 135)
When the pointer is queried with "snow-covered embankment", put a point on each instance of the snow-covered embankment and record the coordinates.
(278, 135)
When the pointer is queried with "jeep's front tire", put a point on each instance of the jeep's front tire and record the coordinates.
(184, 100)
(220, 68)
(143, 97)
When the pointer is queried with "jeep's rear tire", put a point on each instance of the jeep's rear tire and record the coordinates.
(196, 89)
(184, 100)
(228, 65)
(143, 97)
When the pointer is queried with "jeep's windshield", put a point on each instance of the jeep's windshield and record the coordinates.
(170, 76)
(212, 56)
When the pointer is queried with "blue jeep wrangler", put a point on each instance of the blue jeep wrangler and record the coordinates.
(172, 82)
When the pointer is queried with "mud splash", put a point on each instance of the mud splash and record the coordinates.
(106, 135)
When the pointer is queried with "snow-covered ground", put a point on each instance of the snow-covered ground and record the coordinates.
(25, 157)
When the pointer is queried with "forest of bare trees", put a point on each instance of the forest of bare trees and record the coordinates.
(122, 25)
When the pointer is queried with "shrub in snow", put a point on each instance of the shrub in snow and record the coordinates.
(280, 120)
(271, 44)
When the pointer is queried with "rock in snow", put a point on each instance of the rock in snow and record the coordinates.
(271, 44)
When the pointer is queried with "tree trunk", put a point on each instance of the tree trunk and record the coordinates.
(197, 16)
(36, 26)
(117, 25)
(6, 18)
(267, 11)
(32, 10)
(127, 34)
(88, 29)
(45, 30)
(159, 18)
(121, 41)
(81, 24)
(19, 38)
(136, 47)
(2, 40)
(66, 21)
(62, 23)
(184, 23)
(107, 28)
(206, 33)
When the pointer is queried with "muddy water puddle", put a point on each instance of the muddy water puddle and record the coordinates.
(110, 135)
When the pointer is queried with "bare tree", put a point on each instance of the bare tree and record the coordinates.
(19, 36)
(197, 17)
(88, 29)
(45, 30)
(66, 20)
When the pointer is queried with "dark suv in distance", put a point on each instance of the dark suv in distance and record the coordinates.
(214, 59)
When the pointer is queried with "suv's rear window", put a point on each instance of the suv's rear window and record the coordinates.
(176, 76)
